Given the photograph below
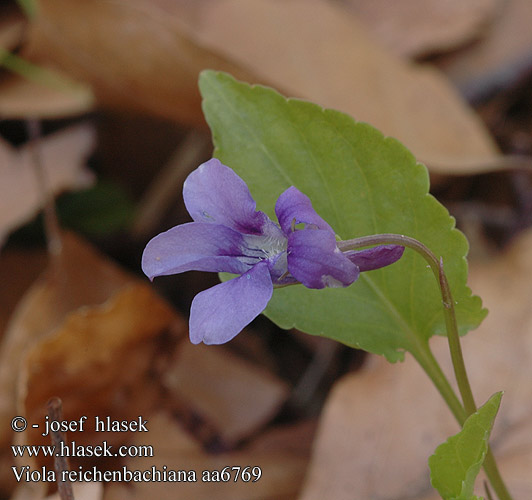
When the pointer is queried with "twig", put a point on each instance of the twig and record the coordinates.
(61, 463)
(315, 372)
(162, 191)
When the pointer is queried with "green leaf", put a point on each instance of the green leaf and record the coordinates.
(361, 183)
(456, 463)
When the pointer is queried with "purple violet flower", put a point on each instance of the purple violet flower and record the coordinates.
(229, 235)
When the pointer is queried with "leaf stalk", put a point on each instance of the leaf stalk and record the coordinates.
(424, 356)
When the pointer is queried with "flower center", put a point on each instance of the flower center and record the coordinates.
(266, 246)
(272, 246)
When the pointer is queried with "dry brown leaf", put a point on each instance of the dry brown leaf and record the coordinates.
(98, 362)
(500, 56)
(88, 333)
(372, 440)
(380, 426)
(418, 27)
(91, 335)
(84, 277)
(233, 395)
(132, 53)
(148, 55)
(63, 156)
(313, 50)
(282, 467)
(21, 98)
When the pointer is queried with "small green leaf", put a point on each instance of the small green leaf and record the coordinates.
(456, 463)
(362, 183)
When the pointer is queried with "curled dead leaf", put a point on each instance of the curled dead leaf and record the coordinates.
(101, 358)
(83, 277)
(98, 362)
(96, 338)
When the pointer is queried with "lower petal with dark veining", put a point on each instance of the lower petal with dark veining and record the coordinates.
(195, 247)
(220, 313)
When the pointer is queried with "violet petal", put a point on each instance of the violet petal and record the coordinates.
(315, 260)
(294, 205)
(198, 247)
(214, 193)
(375, 258)
(220, 313)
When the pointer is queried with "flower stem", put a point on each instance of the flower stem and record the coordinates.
(424, 356)
(428, 362)
(447, 300)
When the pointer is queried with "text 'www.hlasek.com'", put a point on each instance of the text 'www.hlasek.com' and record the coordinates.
(70, 450)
